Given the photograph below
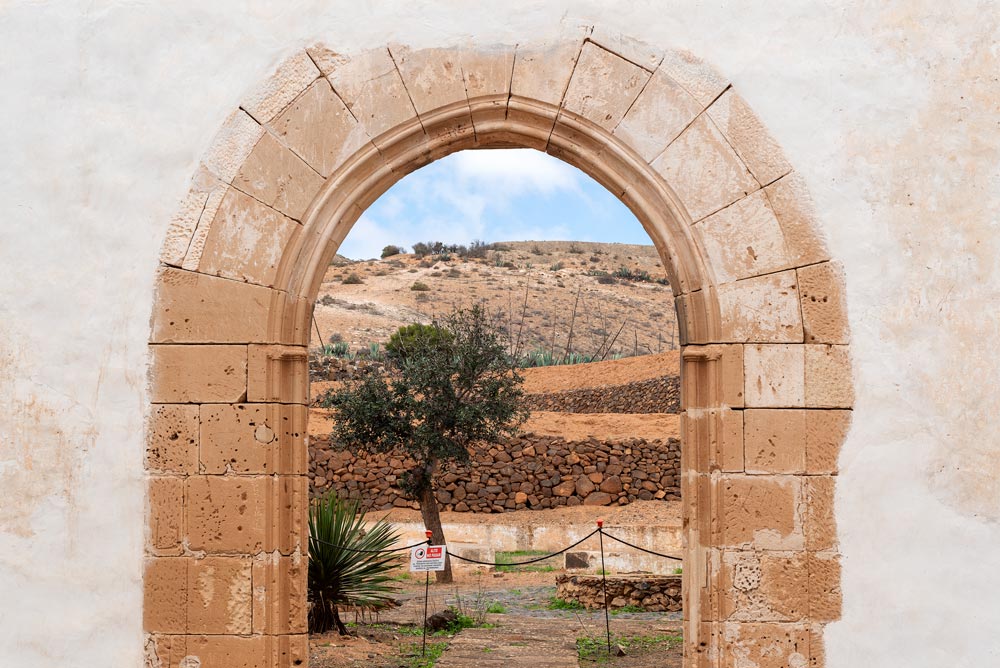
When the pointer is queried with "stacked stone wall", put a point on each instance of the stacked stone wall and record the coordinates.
(529, 471)
(655, 593)
(656, 395)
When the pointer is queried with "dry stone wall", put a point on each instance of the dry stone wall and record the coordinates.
(655, 395)
(529, 471)
(655, 593)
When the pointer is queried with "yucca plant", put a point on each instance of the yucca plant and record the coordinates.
(348, 565)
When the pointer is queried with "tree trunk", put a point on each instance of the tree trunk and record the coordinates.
(432, 520)
(341, 628)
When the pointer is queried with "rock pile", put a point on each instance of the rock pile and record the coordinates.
(654, 593)
(529, 471)
(656, 395)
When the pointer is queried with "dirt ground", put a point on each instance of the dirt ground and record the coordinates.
(392, 638)
(570, 426)
(637, 513)
(595, 374)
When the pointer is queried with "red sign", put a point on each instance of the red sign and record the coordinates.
(425, 558)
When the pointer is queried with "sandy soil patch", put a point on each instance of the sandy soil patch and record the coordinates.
(569, 426)
(596, 374)
(637, 513)
(606, 426)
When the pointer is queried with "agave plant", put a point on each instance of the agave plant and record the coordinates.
(348, 564)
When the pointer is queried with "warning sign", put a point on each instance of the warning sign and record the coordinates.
(427, 558)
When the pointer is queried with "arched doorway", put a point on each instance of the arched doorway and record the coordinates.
(766, 377)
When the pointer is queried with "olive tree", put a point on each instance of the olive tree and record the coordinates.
(446, 386)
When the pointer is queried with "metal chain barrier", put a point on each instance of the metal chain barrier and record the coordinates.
(530, 561)
(642, 549)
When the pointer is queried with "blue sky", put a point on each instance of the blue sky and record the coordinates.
(493, 195)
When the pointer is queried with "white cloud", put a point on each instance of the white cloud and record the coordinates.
(469, 195)
(366, 239)
(515, 171)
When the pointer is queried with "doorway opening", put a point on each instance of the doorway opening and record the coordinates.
(585, 309)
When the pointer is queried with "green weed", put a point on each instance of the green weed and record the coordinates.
(595, 648)
(434, 652)
(628, 609)
(556, 603)
(504, 561)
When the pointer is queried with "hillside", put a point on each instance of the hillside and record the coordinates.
(557, 297)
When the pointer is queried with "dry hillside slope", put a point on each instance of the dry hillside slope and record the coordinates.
(558, 297)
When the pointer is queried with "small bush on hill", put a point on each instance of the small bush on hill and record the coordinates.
(352, 279)
(420, 287)
(391, 250)
(634, 275)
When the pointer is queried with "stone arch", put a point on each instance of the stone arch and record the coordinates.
(766, 377)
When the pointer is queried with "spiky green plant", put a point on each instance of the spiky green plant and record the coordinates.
(348, 564)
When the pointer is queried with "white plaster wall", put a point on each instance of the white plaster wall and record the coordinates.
(889, 110)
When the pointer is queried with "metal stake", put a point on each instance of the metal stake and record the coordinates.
(604, 584)
(427, 586)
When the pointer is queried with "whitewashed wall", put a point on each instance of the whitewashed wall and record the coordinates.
(889, 110)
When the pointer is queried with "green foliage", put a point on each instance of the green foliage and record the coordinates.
(463, 621)
(446, 385)
(678, 570)
(339, 572)
(352, 279)
(471, 610)
(556, 603)
(339, 349)
(477, 249)
(419, 286)
(603, 277)
(539, 357)
(395, 628)
(496, 608)
(415, 660)
(594, 649)
(423, 249)
(391, 250)
(417, 338)
(634, 275)
(503, 561)
(627, 609)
